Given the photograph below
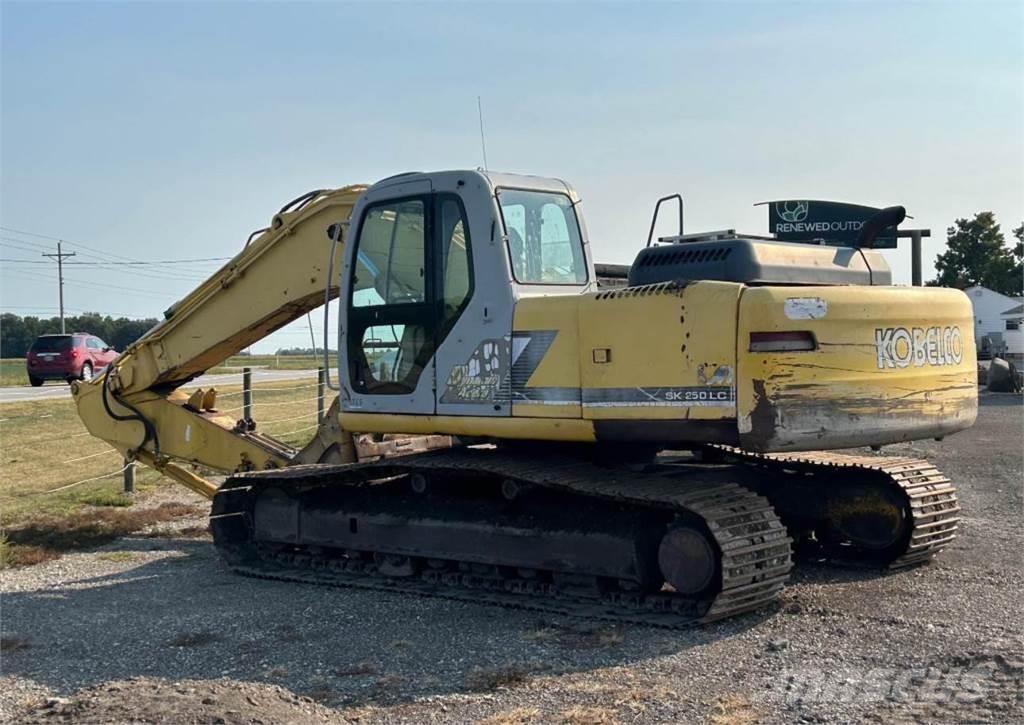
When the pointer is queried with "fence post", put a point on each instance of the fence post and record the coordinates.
(129, 476)
(320, 385)
(247, 394)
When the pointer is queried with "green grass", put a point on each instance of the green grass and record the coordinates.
(12, 371)
(44, 446)
(271, 362)
(115, 499)
(40, 440)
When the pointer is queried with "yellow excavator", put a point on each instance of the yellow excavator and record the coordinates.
(647, 448)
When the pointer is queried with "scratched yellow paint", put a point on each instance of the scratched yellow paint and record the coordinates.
(891, 364)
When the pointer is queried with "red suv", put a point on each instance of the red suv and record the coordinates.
(67, 357)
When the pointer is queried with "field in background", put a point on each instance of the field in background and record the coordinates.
(12, 369)
(269, 362)
(44, 446)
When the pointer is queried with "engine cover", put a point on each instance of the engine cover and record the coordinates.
(756, 261)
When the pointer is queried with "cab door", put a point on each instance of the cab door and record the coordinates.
(389, 307)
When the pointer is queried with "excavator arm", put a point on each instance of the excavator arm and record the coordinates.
(283, 272)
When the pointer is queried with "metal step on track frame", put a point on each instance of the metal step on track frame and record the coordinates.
(754, 545)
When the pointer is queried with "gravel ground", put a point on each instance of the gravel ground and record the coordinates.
(156, 630)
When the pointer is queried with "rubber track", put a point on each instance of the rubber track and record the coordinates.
(756, 549)
(929, 496)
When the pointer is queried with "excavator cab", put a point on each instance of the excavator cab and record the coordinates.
(435, 264)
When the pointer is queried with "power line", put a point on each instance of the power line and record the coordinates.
(159, 261)
(19, 247)
(77, 310)
(105, 255)
(191, 281)
(98, 285)
(72, 243)
(29, 242)
(188, 275)
(30, 234)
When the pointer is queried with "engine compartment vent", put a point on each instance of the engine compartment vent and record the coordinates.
(758, 261)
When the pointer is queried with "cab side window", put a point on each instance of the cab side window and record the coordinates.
(456, 262)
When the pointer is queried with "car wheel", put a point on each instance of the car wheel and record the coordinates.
(36, 382)
(86, 375)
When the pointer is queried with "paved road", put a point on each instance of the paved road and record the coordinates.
(52, 390)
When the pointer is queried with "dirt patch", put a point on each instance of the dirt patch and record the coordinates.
(196, 701)
(493, 678)
(119, 556)
(14, 644)
(577, 635)
(732, 710)
(515, 716)
(48, 537)
(587, 715)
(194, 639)
(360, 668)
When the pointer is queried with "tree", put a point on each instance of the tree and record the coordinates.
(18, 333)
(1017, 253)
(976, 254)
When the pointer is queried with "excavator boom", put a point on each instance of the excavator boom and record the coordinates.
(283, 272)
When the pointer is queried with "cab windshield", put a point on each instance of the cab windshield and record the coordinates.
(544, 241)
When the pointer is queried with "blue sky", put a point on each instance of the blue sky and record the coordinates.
(166, 131)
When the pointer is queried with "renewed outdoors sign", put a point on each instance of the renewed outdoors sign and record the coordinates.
(832, 222)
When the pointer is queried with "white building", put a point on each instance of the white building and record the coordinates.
(1014, 335)
(997, 316)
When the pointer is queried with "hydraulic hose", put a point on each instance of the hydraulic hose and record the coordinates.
(149, 430)
(334, 232)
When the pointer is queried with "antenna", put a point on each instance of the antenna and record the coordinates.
(483, 143)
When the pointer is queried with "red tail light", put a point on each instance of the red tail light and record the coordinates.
(789, 341)
(74, 352)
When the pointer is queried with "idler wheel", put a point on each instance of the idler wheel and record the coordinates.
(868, 517)
(418, 483)
(688, 560)
(394, 565)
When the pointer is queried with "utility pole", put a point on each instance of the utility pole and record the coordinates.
(312, 340)
(60, 280)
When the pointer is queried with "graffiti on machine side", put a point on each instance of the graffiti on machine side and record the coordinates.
(480, 378)
(498, 369)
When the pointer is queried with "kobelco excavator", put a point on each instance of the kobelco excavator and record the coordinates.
(545, 407)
